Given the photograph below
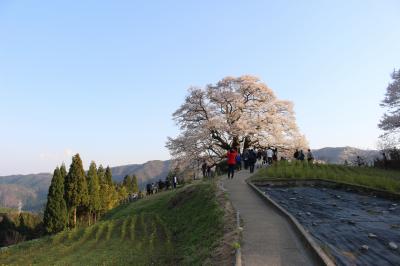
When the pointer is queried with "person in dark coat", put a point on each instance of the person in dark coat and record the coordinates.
(252, 160)
(296, 154)
(148, 189)
(310, 156)
(204, 168)
(246, 158)
(301, 156)
(208, 170)
(275, 155)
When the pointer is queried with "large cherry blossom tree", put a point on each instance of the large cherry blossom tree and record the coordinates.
(237, 112)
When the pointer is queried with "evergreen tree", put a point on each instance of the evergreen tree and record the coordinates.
(122, 193)
(101, 174)
(110, 199)
(63, 171)
(108, 176)
(111, 195)
(135, 186)
(23, 229)
(127, 183)
(76, 187)
(94, 191)
(55, 214)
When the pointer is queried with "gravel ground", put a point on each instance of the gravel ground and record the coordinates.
(354, 229)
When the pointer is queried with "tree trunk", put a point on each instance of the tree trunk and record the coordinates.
(235, 143)
(95, 220)
(68, 218)
(75, 217)
(247, 143)
(89, 214)
(222, 143)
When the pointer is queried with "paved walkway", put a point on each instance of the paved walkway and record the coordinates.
(268, 238)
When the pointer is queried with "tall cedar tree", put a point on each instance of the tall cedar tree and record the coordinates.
(111, 195)
(135, 186)
(122, 193)
(108, 176)
(101, 174)
(55, 214)
(76, 187)
(94, 192)
(63, 171)
(127, 183)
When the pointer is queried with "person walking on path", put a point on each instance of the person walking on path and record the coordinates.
(310, 156)
(238, 162)
(175, 181)
(231, 155)
(252, 160)
(265, 160)
(270, 153)
(148, 188)
(301, 156)
(275, 155)
(204, 168)
(259, 159)
(296, 154)
(385, 160)
(246, 158)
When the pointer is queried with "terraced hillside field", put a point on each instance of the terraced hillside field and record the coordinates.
(176, 227)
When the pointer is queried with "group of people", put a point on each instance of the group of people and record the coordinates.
(250, 158)
(300, 156)
(206, 169)
(154, 187)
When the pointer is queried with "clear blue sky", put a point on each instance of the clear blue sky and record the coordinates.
(102, 78)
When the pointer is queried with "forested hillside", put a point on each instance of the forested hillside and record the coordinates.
(31, 190)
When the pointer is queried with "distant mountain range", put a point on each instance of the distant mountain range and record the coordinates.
(339, 155)
(147, 172)
(31, 190)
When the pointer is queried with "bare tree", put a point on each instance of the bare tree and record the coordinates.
(236, 112)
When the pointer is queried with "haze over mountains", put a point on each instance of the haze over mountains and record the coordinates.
(32, 189)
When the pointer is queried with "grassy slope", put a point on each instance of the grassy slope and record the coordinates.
(176, 227)
(371, 177)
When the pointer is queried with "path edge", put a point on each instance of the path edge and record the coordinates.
(319, 256)
(238, 250)
(238, 253)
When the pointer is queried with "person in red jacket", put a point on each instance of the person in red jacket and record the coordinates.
(231, 155)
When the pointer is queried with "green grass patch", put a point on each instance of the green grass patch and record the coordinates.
(366, 176)
(180, 227)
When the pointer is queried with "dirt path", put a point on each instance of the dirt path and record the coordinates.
(267, 237)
